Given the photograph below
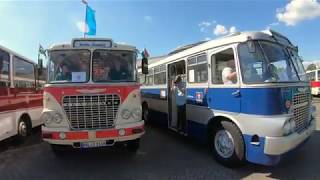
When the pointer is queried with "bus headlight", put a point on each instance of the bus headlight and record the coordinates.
(57, 117)
(125, 114)
(46, 118)
(137, 114)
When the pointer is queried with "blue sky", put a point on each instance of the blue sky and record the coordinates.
(160, 26)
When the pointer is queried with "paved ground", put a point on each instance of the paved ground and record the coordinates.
(163, 155)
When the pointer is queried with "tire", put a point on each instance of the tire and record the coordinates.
(227, 144)
(24, 130)
(145, 113)
(133, 145)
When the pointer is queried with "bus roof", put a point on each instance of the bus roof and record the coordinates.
(16, 54)
(238, 37)
(99, 41)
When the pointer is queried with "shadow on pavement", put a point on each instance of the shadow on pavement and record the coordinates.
(12, 143)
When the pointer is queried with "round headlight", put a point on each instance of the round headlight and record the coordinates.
(57, 117)
(286, 128)
(125, 114)
(46, 118)
(137, 114)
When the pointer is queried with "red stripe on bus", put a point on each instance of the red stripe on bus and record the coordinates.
(315, 83)
(72, 135)
(115, 132)
(121, 90)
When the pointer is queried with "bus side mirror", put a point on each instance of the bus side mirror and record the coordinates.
(40, 66)
(144, 65)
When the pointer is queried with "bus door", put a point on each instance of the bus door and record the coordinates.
(224, 92)
(177, 96)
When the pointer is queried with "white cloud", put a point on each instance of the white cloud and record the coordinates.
(204, 25)
(232, 30)
(298, 10)
(220, 30)
(82, 26)
(148, 19)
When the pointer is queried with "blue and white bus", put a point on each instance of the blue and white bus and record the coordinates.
(258, 114)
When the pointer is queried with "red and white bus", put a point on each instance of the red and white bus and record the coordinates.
(92, 96)
(314, 77)
(20, 95)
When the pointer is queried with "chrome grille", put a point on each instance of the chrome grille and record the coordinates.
(301, 103)
(91, 111)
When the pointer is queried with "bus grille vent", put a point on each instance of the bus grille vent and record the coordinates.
(91, 111)
(301, 104)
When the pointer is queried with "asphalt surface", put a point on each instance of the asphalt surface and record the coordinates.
(163, 155)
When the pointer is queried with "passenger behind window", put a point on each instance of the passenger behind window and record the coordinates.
(229, 74)
(65, 74)
(251, 74)
(118, 72)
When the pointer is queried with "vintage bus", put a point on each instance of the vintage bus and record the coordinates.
(314, 77)
(20, 95)
(245, 94)
(92, 96)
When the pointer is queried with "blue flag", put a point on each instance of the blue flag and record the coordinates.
(90, 21)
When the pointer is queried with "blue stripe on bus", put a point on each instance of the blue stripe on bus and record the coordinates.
(256, 101)
(153, 93)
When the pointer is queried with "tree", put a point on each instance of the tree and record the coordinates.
(311, 67)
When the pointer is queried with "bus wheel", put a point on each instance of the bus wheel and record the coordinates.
(227, 145)
(145, 113)
(23, 130)
(133, 145)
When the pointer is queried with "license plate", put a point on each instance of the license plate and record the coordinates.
(93, 144)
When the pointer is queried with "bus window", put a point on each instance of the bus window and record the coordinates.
(318, 75)
(4, 69)
(223, 67)
(24, 76)
(198, 69)
(160, 75)
(149, 81)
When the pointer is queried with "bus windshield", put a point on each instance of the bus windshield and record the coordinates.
(113, 66)
(69, 66)
(269, 63)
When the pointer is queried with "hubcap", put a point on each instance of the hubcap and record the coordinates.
(224, 144)
(23, 128)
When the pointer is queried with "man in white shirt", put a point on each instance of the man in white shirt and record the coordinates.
(229, 74)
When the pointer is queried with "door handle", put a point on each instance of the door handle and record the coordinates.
(236, 93)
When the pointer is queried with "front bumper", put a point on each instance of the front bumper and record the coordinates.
(68, 137)
(281, 145)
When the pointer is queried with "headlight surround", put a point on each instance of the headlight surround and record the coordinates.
(137, 114)
(125, 114)
(292, 125)
(286, 128)
(289, 127)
